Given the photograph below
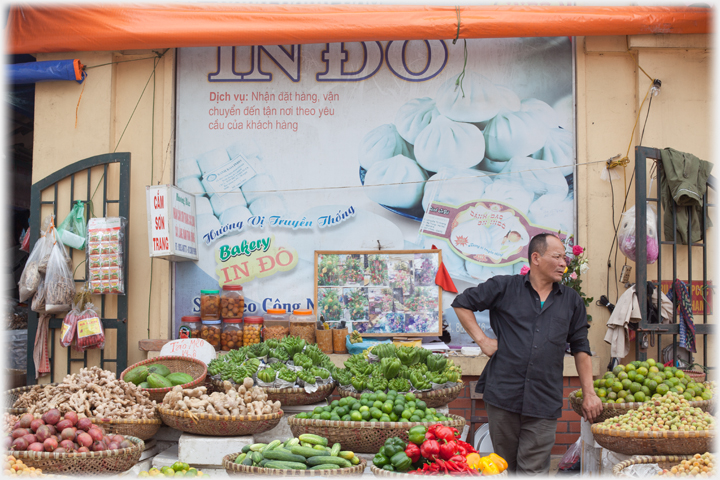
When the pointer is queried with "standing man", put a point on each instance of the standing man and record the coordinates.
(533, 316)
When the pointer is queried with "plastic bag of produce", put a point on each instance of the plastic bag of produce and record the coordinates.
(626, 235)
(90, 332)
(67, 334)
(30, 277)
(38, 301)
(59, 284)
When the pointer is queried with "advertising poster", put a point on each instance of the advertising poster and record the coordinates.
(370, 145)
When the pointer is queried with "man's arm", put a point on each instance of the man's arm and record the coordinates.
(592, 406)
(467, 320)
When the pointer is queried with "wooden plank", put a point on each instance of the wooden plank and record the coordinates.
(152, 345)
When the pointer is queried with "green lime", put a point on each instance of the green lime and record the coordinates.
(608, 383)
(631, 375)
(387, 407)
(372, 397)
(642, 371)
(346, 418)
(622, 394)
(325, 416)
(596, 383)
(629, 367)
(602, 393)
(365, 415)
(409, 396)
(384, 418)
(626, 383)
(382, 396)
(706, 395)
(406, 414)
(645, 390)
(662, 389)
(377, 413)
(652, 385)
(651, 362)
(394, 417)
(639, 378)
(635, 387)
(639, 396)
(335, 403)
(618, 369)
(377, 404)
(177, 466)
(622, 375)
(617, 386)
(355, 416)
(612, 396)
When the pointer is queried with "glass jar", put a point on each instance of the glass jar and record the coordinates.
(232, 334)
(232, 301)
(211, 331)
(189, 327)
(276, 324)
(303, 324)
(252, 329)
(210, 304)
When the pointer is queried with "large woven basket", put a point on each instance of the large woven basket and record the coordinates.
(143, 429)
(89, 463)
(292, 396)
(234, 469)
(219, 425)
(433, 398)
(12, 396)
(611, 410)
(695, 376)
(362, 437)
(653, 443)
(194, 368)
(663, 461)
(379, 472)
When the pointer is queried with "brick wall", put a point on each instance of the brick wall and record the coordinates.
(568, 426)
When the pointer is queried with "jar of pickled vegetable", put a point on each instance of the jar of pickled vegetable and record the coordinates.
(251, 331)
(302, 324)
(232, 334)
(276, 324)
(210, 304)
(189, 327)
(232, 301)
(211, 331)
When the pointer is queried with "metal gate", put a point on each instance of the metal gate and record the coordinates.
(84, 168)
(642, 154)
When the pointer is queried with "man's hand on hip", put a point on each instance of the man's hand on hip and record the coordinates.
(591, 407)
(489, 346)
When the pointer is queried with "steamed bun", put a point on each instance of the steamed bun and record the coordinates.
(542, 112)
(510, 193)
(558, 149)
(478, 100)
(537, 176)
(455, 186)
(414, 116)
(445, 143)
(381, 143)
(512, 134)
(395, 182)
(554, 211)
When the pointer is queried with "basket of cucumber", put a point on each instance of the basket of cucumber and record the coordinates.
(159, 375)
(305, 456)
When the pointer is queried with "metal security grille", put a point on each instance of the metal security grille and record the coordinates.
(642, 155)
(84, 169)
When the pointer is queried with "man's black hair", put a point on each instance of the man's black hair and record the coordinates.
(539, 244)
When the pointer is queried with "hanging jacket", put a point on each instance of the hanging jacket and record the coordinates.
(684, 181)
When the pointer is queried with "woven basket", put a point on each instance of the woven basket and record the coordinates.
(663, 461)
(379, 472)
(434, 398)
(653, 443)
(234, 469)
(89, 463)
(219, 425)
(143, 429)
(12, 396)
(611, 410)
(362, 437)
(194, 368)
(695, 375)
(291, 396)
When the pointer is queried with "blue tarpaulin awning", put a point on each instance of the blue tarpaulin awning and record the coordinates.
(33, 72)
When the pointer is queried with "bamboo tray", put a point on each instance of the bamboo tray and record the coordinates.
(433, 398)
(12, 396)
(379, 472)
(234, 469)
(362, 437)
(611, 410)
(291, 396)
(653, 443)
(89, 463)
(191, 366)
(663, 461)
(143, 429)
(219, 425)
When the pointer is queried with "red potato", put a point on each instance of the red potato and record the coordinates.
(72, 416)
(36, 447)
(84, 440)
(84, 424)
(68, 445)
(36, 423)
(96, 434)
(19, 444)
(61, 450)
(68, 434)
(52, 416)
(118, 439)
(52, 429)
(7, 443)
(50, 444)
(43, 433)
(26, 420)
(30, 438)
(63, 424)
(83, 450)
(98, 447)
(19, 432)
(113, 446)
(17, 425)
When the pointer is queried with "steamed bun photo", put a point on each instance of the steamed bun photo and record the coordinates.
(512, 134)
(536, 176)
(477, 100)
(455, 186)
(558, 150)
(381, 143)
(446, 143)
(395, 182)
(414, 116)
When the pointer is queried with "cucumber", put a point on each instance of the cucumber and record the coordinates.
(240, 458)
(264, 462)
(341, 462)
(355, 460)
(291, 442)
(319, 447)
(284, 456)
(248, 460)
(306, 452)
(257, 447)
(324, 466)
(335, 450)
(346, 454)
(285, 465)
(245, 449)
(257, 457)
(270, 446)
(314, 439)
(306, 444)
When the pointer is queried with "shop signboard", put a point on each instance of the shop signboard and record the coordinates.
(171, 223)
(393, 145)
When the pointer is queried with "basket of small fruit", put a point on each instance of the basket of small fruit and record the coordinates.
(671, 465)
(178, 469)
(304, 456)
(363, 425)
(665, 426)
(629, 386)
(159, 375)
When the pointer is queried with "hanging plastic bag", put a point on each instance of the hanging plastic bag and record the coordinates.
(571, 459)
(72, 230)
(59, 284)
(25, 241)
(50, 240)
(626, 235)
(90, 332)
(30, 277)
(38, 301)
(104, 254)
(69, 326)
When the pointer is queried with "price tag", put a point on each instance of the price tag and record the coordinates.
(196, 348)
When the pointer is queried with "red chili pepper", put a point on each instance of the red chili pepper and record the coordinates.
(444, 433)
(413, 451)
(468, 448)
(447, 450)
(430, 449)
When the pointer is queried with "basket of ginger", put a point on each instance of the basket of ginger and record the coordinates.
(673, 465)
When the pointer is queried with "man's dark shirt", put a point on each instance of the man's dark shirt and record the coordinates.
(525, 375)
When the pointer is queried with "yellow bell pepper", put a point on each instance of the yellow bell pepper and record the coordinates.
(488, 467)
(499, 461)
(473, 460)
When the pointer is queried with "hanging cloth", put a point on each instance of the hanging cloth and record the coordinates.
(40, 350)
(687, 325)
(442, 277)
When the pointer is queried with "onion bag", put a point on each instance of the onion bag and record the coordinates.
(626, 235)
(90, 332)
